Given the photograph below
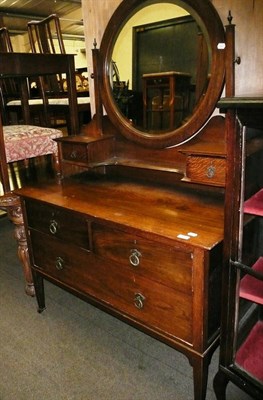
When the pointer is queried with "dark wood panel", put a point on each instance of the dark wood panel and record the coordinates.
(170, 265)
(158, 48)
(163, 308)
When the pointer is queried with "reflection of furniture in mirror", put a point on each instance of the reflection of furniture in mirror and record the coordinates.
(242, 300)
(208, 65)
(165, 99)
(157, 48)
(122, 95)
(126, 230)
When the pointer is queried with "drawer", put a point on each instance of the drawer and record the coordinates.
(207, 170)
(92, 150)
(57, 222)
(75, 152)
(158, 81)
(148, 302)
(168, 265)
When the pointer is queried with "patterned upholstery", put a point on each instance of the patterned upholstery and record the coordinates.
(28, 141)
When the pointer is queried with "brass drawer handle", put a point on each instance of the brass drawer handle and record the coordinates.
(59, 263)
(139, 300)
(135, 257)
(211, 171)
(53, 227)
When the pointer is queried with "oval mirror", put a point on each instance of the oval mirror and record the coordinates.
(162, 69)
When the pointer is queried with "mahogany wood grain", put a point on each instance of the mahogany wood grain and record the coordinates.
(149, 254)
(164, 212)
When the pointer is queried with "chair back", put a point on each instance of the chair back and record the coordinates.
(45, 37)
(5, 41)
(9, 87)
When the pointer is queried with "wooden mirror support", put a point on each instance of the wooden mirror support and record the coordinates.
(116, 146)
(210, 23)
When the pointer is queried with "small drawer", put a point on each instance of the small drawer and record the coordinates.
(206, 170)
(168, 265)
(74, 152)
(57, 222)
(148, 302)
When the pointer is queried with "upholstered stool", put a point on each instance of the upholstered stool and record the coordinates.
(29, 141)
(23, 142)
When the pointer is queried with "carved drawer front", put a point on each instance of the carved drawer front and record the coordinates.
(168, 265)
(58, 223)
(207, 170)
(143, 300)
(75, 152)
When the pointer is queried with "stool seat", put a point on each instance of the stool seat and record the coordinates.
(28, 141)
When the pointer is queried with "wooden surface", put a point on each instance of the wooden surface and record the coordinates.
(147, 253)
(164, 212)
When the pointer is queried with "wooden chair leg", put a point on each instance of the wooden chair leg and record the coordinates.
(11, 203)
(56, 166)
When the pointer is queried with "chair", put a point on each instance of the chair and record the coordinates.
(45, 37)
(11, 93)
(8, 87)
(19, 142)
(24, 142)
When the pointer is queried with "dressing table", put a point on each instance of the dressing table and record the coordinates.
(132, 228)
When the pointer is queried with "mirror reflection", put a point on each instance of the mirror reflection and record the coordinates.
(160, 67)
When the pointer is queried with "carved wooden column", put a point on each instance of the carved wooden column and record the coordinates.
(11, 203)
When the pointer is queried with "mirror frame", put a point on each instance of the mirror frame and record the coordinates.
(202, 10)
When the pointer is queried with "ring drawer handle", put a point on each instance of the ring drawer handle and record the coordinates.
(53, 227)
(135, 257)
(211, 171)
(139, 300)
(59, 263)
(73, 154)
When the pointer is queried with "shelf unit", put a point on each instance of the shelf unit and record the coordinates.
(241, 358)
(251, 285)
